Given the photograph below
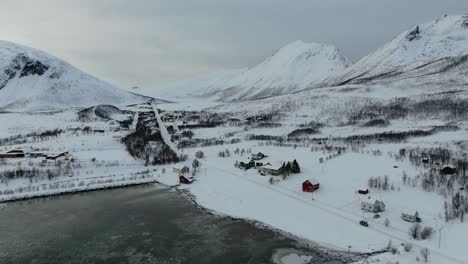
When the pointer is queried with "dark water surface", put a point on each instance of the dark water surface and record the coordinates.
(143, 224)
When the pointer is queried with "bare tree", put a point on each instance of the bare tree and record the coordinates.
(408, 247)
(415, 231)
(425, 254)
(387, 222)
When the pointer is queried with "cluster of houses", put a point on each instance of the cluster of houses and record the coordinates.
(375, 206)
(19, 153)
(264, 169)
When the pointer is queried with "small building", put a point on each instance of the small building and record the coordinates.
(448, 170)
(270, 170)
(185, 180)
(56, 156)
(410, 216)
(310, 185)
(37, 154)
(372, 205)
(258, 156)
(182, 170)
(248, 165)
(364, 192)
(12, 154)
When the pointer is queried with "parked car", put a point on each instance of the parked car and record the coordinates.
(364, 223)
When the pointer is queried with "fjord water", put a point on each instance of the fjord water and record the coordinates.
(143, 224)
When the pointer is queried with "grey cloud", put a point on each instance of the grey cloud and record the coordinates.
(151, 42)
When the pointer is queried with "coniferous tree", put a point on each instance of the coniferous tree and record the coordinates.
(295, 167)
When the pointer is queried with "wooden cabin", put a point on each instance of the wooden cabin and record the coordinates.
(185, 179)
(258, 156)
(270, 170)
(372, 205)
(182, 170)
(410, 216)
(310, 185)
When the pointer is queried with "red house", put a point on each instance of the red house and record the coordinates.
(185, 180)
(310, 185)
(17, 153)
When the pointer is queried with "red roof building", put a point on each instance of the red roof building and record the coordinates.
(310, 185)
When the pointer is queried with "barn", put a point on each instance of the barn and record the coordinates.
(310, 185)
(17, 153)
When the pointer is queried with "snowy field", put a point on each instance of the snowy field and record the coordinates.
(328, 217)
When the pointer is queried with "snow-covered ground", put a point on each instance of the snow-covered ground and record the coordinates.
(329, 217)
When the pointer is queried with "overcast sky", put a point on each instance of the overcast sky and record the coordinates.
(152, 42)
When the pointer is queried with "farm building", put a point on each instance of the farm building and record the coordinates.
(185, 180)
(410, 216)
(372, 205)
(182, 170)
(448, 170)
(56, 156)
(37, 154)
(270, 170)
(258, 156)
(17, 153)
(310, 185)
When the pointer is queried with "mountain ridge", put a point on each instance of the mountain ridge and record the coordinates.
(31, 79)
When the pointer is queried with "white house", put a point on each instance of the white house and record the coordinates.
(372, 205)
(410, 215)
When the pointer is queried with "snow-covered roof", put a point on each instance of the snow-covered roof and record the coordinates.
(270, 166)
(313, 181)
(370, 200)
(409, 212)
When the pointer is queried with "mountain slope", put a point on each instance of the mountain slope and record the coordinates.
(31, 79)
(294, 67)
(426, 53)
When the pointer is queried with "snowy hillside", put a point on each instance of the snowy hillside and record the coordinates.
(31, 80)
(294, 67)
(425, 53)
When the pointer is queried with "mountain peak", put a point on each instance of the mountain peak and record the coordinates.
(445, 38)
(32, 79)
(293, 67)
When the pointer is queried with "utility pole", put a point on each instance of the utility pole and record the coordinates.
(440, 235)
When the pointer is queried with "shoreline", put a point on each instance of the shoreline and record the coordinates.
(16, 198)
(321, 249)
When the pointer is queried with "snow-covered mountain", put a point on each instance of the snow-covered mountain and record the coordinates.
(294, 67)
(33, 80)
(436, 51)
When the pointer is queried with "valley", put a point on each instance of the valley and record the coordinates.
(360, 162)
